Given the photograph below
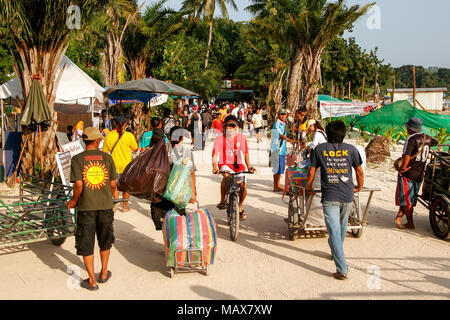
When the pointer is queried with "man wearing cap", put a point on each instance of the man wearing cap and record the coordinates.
(278, 149)
(411, 172)
(119, 143)
(94, 176)
(230, 154)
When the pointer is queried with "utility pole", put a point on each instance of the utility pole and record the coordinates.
(414, 86)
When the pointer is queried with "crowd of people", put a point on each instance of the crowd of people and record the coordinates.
(337, 165)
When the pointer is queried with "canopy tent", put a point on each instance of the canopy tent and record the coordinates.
(75, 86)
(143, 89)
(396, 114)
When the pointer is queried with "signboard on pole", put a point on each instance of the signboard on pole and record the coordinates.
(63, 160)
(330, 109)
(73, 147)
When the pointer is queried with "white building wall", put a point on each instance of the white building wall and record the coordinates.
(429, 100)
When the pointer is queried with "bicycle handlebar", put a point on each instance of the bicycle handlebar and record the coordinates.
(236, 173)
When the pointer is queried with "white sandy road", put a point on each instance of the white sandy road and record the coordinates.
(261, 264)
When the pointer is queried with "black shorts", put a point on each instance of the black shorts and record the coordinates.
(258, 129)
(90, 223)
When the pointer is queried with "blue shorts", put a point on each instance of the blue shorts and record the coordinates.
(407, 192)
(278, 163)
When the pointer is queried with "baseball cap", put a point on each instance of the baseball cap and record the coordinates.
(282, 111)
(310, 123)
(91, 134)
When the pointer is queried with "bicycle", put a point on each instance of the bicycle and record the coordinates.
(232, 202)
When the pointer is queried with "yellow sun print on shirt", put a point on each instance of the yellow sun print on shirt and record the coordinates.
(95, 175)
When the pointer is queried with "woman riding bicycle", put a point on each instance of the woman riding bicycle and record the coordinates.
(229, 154)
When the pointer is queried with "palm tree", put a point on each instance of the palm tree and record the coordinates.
(272, 17)
(316, 24)
(207, 8)
(114, 21)
(37, 37)
(142, 38)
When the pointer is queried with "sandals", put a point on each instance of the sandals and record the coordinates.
(85, 284)
(242, 215)
(221, 206)
(100, 280)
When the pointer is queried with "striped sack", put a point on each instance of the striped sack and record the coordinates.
(195, 231)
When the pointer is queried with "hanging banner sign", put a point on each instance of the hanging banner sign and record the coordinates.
(74, 147)
(159, 100)
(341, 109)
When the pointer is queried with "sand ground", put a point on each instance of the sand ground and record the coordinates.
(385, 263)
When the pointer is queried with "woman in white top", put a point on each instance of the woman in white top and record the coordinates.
(320, 136)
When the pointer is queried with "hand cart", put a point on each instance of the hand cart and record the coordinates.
(38, 213)
(189, 266)
(300, 207)
(436, 193)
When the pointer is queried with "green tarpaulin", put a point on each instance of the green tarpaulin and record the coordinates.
(396, 115)
(324, 97)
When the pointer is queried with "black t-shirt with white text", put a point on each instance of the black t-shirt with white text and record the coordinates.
(335, 161)
(413, 145)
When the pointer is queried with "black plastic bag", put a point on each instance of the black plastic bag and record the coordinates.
(146, 176)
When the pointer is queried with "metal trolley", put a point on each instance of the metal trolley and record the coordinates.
(188, 267)
(436, 193)
(300, 207)
(39, 213)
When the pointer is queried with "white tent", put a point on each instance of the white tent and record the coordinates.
(75, 86)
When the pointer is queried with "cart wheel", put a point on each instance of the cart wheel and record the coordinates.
(292, 213)
(172, 272)
(357, 233)
(439, 216)
(206, 271)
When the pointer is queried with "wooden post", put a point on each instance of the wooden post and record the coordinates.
(363, 88)
(343, 92)
(393, 91)
(376, 88)
(41, 155)
(332, 87)
(414, 85)
(350, 90)
(3, 138)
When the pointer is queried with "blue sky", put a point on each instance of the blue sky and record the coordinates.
(410, 31)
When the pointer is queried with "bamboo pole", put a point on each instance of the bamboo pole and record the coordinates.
(414, 85)
(375, 93)
(350, 90)
(363, 88)
(40, 149)
(393, 91)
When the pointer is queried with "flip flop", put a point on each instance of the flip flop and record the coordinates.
(221, 206)
(126, 210)
(242, 215)
(85, 284)
(399, 225)
(109, 274)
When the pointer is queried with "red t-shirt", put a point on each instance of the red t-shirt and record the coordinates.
(231, 152)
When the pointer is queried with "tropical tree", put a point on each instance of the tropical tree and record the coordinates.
(37, 38)
(207, 9)
(272, 18)
(112, 24)
(142, 39)
(316, 24)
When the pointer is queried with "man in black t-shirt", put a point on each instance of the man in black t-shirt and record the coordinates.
(94, 176)
(410, 175)
(336, 160)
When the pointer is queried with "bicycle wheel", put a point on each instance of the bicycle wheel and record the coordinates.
(355, 219)
(233, 214)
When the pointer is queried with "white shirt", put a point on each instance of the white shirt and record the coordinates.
(319, 138)
(257, 120)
